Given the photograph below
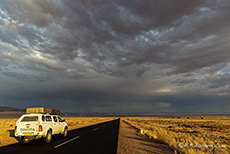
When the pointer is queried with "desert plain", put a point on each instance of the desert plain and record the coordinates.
(189, 135)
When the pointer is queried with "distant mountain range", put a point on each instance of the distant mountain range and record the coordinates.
(7, 109)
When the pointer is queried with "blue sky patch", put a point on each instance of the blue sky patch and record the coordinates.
(227, 70)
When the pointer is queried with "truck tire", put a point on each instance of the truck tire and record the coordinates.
(23, 140)
(48, 137)
(64, 134)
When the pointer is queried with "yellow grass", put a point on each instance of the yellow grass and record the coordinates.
(5, 125)
(190, 135)
(75, 122)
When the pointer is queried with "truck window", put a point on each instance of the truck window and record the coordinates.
(55, 119)
(48, 118)
(29, 118)
(60, 120)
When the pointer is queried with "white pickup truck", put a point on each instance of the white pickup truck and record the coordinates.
(37, 125)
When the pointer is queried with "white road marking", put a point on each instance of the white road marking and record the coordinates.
(66, 142)
(95, 128)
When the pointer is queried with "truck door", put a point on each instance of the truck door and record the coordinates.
(55, 125)
(48, 123)
(61, 124)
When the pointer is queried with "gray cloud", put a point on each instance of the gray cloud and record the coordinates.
(151, 47)
(178, 38)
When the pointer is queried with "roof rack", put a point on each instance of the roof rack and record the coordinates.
(43, 110)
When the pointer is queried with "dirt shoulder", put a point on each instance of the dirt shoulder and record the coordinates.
(130, 141)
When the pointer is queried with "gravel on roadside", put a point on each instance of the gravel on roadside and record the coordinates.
(130, 141)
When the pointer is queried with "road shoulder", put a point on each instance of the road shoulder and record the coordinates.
(130, 141)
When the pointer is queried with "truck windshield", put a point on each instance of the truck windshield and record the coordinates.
(30, 118)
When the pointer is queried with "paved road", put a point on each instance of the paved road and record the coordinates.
(96, 139)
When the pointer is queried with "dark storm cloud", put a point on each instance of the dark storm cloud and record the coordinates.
(106, 102)
(111, 34)
(135, 47)
(156, 17)
(222, 81)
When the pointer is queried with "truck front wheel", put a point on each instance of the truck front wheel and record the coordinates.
(48, 137)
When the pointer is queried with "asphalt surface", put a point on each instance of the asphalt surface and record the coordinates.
(95, 139)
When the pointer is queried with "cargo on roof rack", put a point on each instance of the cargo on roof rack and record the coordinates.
(42, 110)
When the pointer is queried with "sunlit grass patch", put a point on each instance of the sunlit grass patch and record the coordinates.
(188, 135)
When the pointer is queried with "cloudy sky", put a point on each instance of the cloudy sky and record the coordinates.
(116, 56)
